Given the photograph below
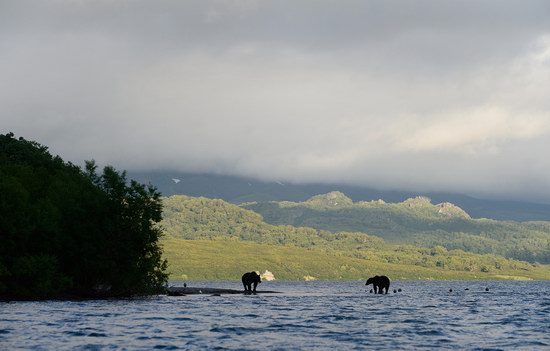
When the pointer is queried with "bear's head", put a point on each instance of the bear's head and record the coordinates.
(371, 280)
(257, 277)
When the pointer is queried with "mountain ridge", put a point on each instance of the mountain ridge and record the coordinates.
(414, 221)
(213, 239)
(241, 189)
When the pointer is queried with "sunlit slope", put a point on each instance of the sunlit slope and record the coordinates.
(415, 221)
(229, 259)
(212, 239)
(201, 218)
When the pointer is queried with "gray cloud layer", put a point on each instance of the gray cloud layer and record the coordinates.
(418, 95)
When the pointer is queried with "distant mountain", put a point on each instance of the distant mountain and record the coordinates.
(414, 221)
(239, 190)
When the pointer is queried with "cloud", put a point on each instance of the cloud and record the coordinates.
(474, 131)
(423, 95)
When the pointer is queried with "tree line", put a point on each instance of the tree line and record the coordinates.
(68, 231)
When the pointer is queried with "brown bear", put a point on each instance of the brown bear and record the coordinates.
(249, 279)
(379, 283)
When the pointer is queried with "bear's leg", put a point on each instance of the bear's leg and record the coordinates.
(244, 284)
(255, 285)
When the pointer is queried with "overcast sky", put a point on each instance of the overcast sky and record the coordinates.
(413, 95)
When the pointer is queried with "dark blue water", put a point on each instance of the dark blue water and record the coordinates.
(309, 316)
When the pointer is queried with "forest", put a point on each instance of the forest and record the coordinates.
(68, 232)
(213, 239)
(415, 221)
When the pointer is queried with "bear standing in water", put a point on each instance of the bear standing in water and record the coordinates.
(249, 279)
(379, 283)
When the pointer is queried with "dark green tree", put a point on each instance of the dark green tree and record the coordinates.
(65, 231)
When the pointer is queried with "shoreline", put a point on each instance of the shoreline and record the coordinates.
(511, 279)
(183, 291)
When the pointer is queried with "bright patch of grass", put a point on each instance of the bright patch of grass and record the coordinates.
(226, 259)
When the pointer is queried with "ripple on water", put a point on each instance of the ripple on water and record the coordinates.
(414, 321)
(97, 335)
(430, 332)
(233, 330)
(165, 347)
(75, 333)
(182, 319)
(321, 316)
(155, 318)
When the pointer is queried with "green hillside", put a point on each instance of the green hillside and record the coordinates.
(415, 221)
(225, 259)
(213, 239)
(201, 218)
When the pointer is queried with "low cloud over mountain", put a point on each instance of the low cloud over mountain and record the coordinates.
(421, 95)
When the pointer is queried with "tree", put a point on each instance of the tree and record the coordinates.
(65, 231)
(132, 230)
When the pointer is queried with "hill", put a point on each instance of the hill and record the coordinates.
(239, 190)
(213, 239)
(224, 259)
(414, 221)
(201, 218)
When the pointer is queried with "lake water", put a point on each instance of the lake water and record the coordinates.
(307, 316)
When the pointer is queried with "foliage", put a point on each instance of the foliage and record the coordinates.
(415, 221)
(213, 239)
(65, 231)
(201, 218)
(227, 259)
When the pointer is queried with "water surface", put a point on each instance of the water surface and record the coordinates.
(308, 315)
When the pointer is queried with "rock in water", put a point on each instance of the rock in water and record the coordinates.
(267, 276)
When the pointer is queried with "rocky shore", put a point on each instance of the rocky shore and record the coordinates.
(182, 291)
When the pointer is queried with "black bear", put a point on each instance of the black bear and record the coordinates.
(379, 283)
(249, 279)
